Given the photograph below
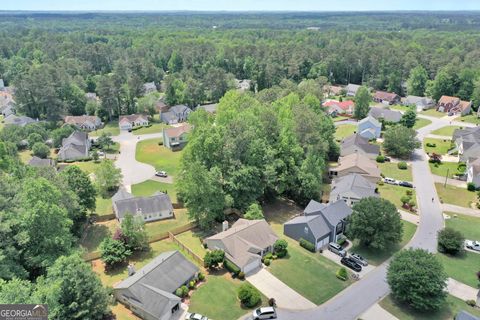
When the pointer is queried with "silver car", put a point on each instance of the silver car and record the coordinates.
(473, 245)
(264, 313)
(337, 249)
(359, 259)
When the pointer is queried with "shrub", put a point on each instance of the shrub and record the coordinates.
(40, 150)
(307, 245)
(431, 145)
(268, 256)
(471, 186)
(405, 199)
(248, 295)
(280, 247)
(381, 183)
(191, 284)
(409, 192)
(179, 292)
(471, 303)
(241, 275)
(213, 258)
(341, 240)
(342, 274)
(184, 291)
(267, 262)
(450, 241)
(272, 302)
(201, 277)
(230, 266)
(274, 257)
(160, 143)
(380, 159)
(402, 165)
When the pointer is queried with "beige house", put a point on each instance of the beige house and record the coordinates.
(356, 163)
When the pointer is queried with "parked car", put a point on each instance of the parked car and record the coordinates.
(350, 263)
(264, 313)
(390, 181)
(473, 245)
(161, 174)
(194, 316)
(358, 259)
(405, 184)
(337, 249)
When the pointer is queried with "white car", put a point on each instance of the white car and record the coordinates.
(390, 181)
(473, 245)
(264, 313)
(194, 316)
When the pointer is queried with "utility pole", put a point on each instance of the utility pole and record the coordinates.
(446, 178)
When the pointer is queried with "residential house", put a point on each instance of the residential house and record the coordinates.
(243, 85)
(176, 114)
(352, 89)
(453, 105)
(352, 188)
(386, 114)
(6, 98)
(245, 243)
(152, 208)
(7, 110)
(149, 87)
(161, 106)
(356, 163)
(210, 108)
(356, 143)
(132, 121)
(18, 120)
(464, 315)
(467, 143)
(473, 171)
(88, 123)
(422, 103)
(369, 128)
(340, 108)
(386, 97)
(41, 163)
(75, 147)
(331, 91)
(150, 292)
(175, 138)
(320, 223)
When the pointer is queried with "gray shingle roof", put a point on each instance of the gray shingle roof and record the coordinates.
(212, 108)
(336, 212)
(157, 203)
(386, 114)
(371, 119)
(464, 315)
(418, 101)
(357, 143)
(352, 186)
(39, 162)
(18, 120)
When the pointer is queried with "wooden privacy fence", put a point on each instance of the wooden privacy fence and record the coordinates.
(185, 248)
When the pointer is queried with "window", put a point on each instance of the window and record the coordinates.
(305, 230)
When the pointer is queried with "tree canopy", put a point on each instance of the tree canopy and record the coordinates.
(400, 141)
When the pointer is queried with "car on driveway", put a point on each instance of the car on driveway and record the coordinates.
(337, 249)
(161, 174)
(390, 181)
(473, 245)
(350, 263)
(358, 259)
(194, 316)
(264, 313)
(405, 184)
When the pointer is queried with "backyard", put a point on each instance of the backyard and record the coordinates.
(446, 131)
(104, 206)
(110, 128)
(149, 187)
(377, 257)
(148, 151)
(444, 168)
(87, 166)
(454, 195)
(193, 240)
(448, 311)
(420, 123)
(159, 227)
(344, 130)
(391, 170)
(441, 146)
(153, 128)
(395, 193)
(95, 233)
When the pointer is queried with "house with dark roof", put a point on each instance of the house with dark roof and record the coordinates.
(385, 114)
(369, 128)
(421, 103)
(175, 138)
(453, 105)
(149, 87)
(356, 163)
(320, 223)
(351, 89)
(155, 207)
(176, 114)
(352, 188)
(467, 143)
(150, 292)
(386, 97)
(464, 315)
(75, 147)
(245, 243)
(15, 120)
(84, 122)
(132, 121)
(7, 109)
(41, 163)
(356, 143)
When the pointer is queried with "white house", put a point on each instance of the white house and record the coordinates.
(132, 121)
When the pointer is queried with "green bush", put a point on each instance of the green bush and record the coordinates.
(201, 277)
(402, 165)
(380, 159)
(471, 303)
(450, 241)
(213, 258)
(341, 240)
(409, 192)
(280, 248)
(266, 262)
(431, 145)
(471, 186)
(230, 266)
(268, 256)
(307, 245)
(179, 292)
(342, 274)
(191, 284)
(249, 295)
(241, 275)
(185, 291)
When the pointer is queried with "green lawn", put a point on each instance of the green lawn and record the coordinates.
(457, 196)
(161, 158)
(96, 233)
(400, 107)
(193, 240)
(87, 166)
(442, 146)
(471, 118)
(1, 123)
(463, 267)
(162, 226)
(440, 169)
(217, 298)
(433, 113)
(376, 257)
(111, 128)
(420, 123)
(340, 118)
(391, 170)
(344, 130)
(154, 128)
(468, 225)
(446, 131)
(394, 194)
(448, 311)
(149, 187)
(104, 206)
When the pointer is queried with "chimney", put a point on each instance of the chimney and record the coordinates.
(131, 270)
(225, 225)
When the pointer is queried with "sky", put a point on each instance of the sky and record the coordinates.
(238, 5)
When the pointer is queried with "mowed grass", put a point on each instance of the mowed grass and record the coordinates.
(217, 298)
(448, 310)
(444, 168)
(462, 267)
(193, 240)
(446, 131)
(148, 151)
(149, 187)
(471, 118)
(161, 226)
(344, 130)
(469, 226)
(400, 107)
(377, 257)
(457, 196)
(96, 233)
(87, 166)
(110, 128)
(391, 170)
(433, 113)
(104, 206)
(395, 193)
(441, 146)
(420, 123)
(153, 128)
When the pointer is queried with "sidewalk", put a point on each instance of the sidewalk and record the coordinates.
(410, 217)
(377, 313)
(450, 181)
(461, 210)
(461, 290)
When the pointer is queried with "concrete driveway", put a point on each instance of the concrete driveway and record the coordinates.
(284, 296)
(336, 258)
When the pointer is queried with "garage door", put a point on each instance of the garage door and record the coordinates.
(252, 266)
(322, 243)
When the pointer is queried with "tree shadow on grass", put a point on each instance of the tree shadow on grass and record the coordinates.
(95, 235)
(280, 211)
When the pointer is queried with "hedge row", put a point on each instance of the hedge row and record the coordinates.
(307, 245)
